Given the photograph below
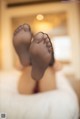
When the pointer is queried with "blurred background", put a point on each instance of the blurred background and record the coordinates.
(59, 18)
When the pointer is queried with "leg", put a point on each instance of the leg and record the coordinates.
(48, 81)
(26, 84)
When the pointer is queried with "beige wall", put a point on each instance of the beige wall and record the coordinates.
(79, 17)
(0, 36)
(6, 44)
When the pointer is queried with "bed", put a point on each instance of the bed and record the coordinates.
(59, 104)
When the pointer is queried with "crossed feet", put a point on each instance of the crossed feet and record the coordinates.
(37, 52)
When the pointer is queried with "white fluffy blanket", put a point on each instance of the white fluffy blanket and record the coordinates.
(59, 104)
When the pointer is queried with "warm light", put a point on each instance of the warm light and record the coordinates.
(42, 26)
(39, 17)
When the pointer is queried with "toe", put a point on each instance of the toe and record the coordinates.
(50, 49)
(38, 37)
(45, 36)
(48, 44)
(18, 29)
(47, 40)
(26, 27)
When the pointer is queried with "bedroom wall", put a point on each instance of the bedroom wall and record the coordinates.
(6, 45)
(79, 18)
(76, 40)
(0, 35)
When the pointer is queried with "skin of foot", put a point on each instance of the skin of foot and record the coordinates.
(41, 53)
(21, 41)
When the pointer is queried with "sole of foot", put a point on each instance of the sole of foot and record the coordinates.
(21, 41)
(41, 53)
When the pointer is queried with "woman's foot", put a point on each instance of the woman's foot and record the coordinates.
(21, 41)
(41, 53)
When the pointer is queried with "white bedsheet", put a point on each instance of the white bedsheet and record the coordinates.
(59, 104)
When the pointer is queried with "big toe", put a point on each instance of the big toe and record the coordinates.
(39, 37)
(26, 27)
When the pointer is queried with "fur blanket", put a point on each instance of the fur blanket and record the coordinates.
(59, 104)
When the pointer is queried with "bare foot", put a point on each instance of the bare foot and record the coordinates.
(41, 53)
(21, 41)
